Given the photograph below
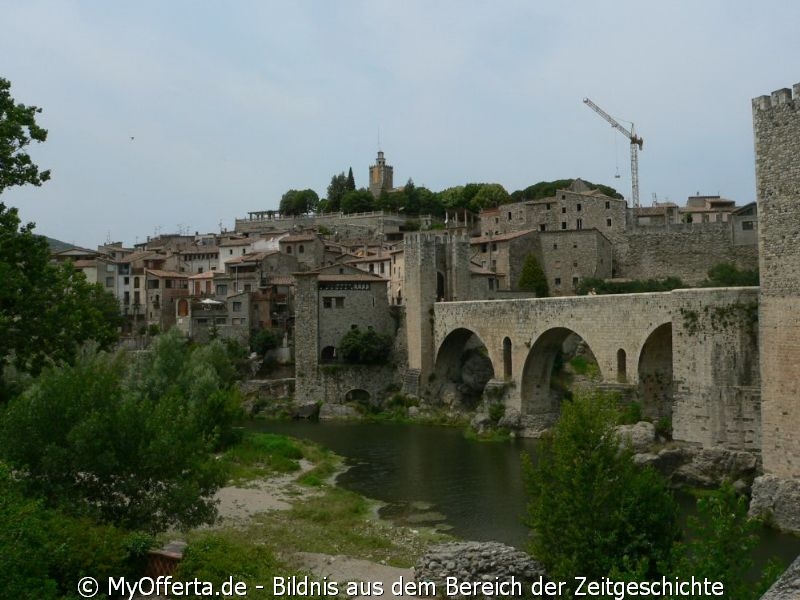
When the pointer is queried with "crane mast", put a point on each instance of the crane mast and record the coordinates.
(636, 145)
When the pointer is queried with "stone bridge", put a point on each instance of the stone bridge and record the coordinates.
(690, 354)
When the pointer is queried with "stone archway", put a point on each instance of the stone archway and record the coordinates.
(540, 396)
(462, 369)
(655, 373)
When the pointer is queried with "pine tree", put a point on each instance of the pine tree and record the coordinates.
(350, 186)
(533, 278)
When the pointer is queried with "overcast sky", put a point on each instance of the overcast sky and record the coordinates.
(184, 114)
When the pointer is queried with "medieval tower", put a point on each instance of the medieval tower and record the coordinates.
(381, 176)
(776, 126)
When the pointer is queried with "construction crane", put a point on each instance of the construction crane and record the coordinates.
(636, 145)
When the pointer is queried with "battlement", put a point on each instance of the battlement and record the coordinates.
(778, 98)
(428, 237)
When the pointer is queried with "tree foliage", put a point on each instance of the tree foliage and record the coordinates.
(532, 278)
(547, 189)
(47, 311)
(127, 444)
(728, 275)
(299, 202)
(635, 286)
(367, 347)
(357, 201)
(264, 340)
(336, 190)
(592, 510)
(18, 129)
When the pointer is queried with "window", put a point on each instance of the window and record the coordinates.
(199, 269)
(339, 302)
(578, 207)
(109, 282)
(327, 302)
(371, 267)
(494, 265)
(484, 248)
(563, 224)
(558, 281)
(574, 282)
(126, 298)
(248, 287)
(288, 249)
(563, 196)
(608, 204)
(542, 227)
(126, 280)
(509, 215)
(237, 307)
(301, 249)
(563, 210)
(491, 284)
(747, 225)
(236, 321)
(494, 246)
(136, 282)
(555, 246)
(168, 283)
(496, 220)
(383, 268)
(574, 263)
(574, 244)
(579, 224)
(230, 252)
(220, 321)
(136, 299)
(222, 289)
(608, 222)
(547, 206)
(244, 251)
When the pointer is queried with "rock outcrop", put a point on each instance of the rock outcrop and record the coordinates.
(788, 585)
(777, 500)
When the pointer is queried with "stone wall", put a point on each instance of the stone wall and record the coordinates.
(776, 126)
(686, 251)
(569, 256)
(345, 225)
(716, 397)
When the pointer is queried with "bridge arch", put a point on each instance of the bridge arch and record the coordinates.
(463, 367)
(538, 396)
(655, 372)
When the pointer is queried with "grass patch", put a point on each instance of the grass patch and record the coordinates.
(341, 522)
(260, 455)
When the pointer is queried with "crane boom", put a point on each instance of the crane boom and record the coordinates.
(636, 145)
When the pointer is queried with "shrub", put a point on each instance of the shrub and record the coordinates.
(264, 340)
(532, 278)
(587, 498)
(365, 347)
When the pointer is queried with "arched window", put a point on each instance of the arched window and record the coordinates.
(301, 249)
(622, 366)
(183, 308)
(507, 358)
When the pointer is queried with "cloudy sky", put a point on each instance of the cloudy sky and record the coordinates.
(184, 114)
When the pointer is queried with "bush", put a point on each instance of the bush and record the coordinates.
(630, 413)
(637, 286)
(365, 347)
(728, 274)
(264, 340)
(588, 498)
(126, 445)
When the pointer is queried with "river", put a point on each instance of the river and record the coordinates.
(429, 475)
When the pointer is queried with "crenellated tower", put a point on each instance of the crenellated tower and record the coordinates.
(381, 176)
(776, 128)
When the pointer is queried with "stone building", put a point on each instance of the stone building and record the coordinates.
(505, 254)
(164, 288)
(381, 176)
(776, 125)
(567, 257)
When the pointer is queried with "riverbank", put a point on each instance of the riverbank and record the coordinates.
(282, 515)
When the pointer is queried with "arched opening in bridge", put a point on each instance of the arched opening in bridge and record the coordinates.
(440, 289)
(463, 368)
(359, 396)
(622, 366)
(507, 358)
(328, 355)
(558, 362)
(655, 373)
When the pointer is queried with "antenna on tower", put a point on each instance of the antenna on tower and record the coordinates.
(379, 138)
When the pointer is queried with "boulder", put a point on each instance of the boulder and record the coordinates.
(481, 422)
(777, 500)
(787, 587)
(639, 436)
(305, 410)
(710, 466)
(477, 561)
(512, 419)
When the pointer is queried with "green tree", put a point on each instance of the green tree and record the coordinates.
(18, 129)
(298, 202)
(264, 340)
(532, 278)
(126, 444)
(366, 347)
(592, 510)
(357, 201)
(350, 184)
(489, 195)
(336, 189)
(47, 311)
